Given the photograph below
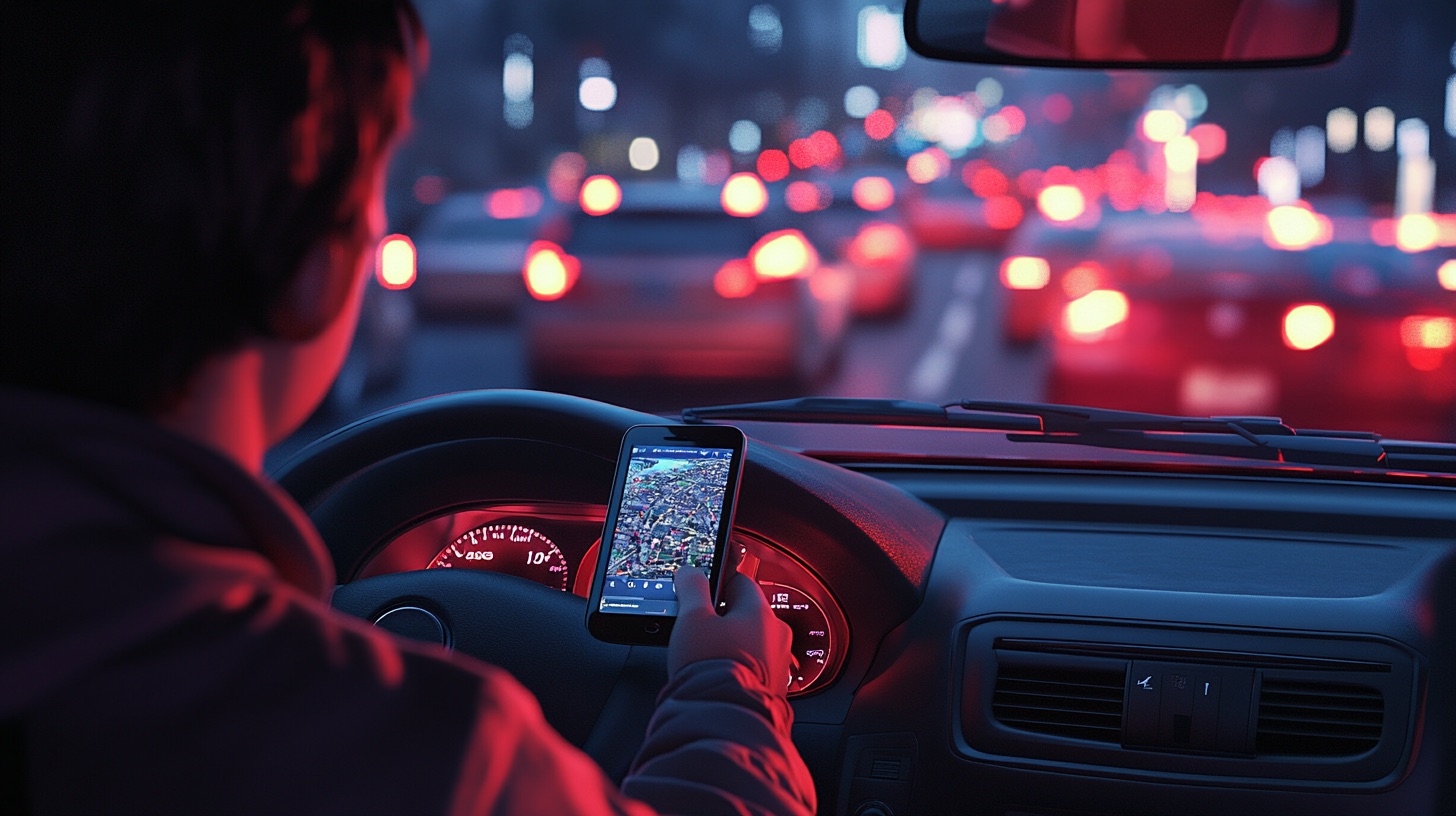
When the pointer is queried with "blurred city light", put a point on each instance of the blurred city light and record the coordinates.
(1278, 180)
(394, 265)
(1212, 141)
(744, 195)
(1289, 226)
(765, 29)
(745, 136)
(860, 101)
(805, 196)
(600, 195)
(735, 279)
(1190, 102)
(563, 178)
(1163, 125)
(550, 272)
(1416, 232)
(1446, 275)
(1342, 130)
(518, 82)
(1308, 326)
(1379, 129)
(1003, 212)
(1309, 155)
(873, 193)
(1180, 156)
(643, 154)
(985, 180)
(881, 42)
(1025, 272)
(1429, 332)
(1412, 138)
(773, 165)
(515, 202)
(1057, 108)
(990, 92)
(879, 125)
(1090, 316)
(597, 93)
(1061, 203)
(692, 164)
(781, 255)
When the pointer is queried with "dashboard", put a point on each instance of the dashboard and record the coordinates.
(1004, 638)
(557, 545)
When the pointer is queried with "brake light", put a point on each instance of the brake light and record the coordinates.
(744, 195)
(782, 255)
(1292, 227)
(1308, 326)
(1025, 272)
(520, 202)
(549, 272)
(878, 244)
(1423, 331)
(735, 279)
(873, 193)
(1089, 317)
(394, 262)
(1446, 274)
(1061, 203)
(600, 195)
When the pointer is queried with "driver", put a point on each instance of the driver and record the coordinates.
(193, 190)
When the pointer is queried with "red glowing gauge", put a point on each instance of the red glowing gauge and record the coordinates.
(512, 549)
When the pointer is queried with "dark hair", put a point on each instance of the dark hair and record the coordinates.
(168, 167)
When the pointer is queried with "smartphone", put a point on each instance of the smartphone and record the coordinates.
(671, 508)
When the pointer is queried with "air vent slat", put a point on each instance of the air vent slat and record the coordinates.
(1060, 700)
(1316, 719)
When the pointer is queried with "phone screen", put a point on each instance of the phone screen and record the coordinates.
(671, 507)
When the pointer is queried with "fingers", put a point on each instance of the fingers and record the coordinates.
(691, 586)
(742, 594)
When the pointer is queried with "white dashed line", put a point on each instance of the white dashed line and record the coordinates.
(931, 376)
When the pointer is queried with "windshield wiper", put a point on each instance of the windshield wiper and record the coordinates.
(1247, 437)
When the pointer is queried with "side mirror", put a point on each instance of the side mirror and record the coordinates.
(1161, 34)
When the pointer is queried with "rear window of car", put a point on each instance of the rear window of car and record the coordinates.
(664, 234)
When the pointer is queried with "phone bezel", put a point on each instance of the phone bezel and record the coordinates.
(655, 630)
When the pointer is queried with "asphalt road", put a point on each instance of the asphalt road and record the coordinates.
(946, 348)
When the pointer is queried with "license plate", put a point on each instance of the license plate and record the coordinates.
(1212, 391)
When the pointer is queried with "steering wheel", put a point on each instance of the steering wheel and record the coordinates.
(365, 481)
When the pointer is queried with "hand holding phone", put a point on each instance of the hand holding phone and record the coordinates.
(671, 508)
(747, 631)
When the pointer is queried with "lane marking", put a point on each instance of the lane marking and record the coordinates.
(932, 374)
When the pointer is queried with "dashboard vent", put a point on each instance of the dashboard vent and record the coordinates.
(1312, 719)
(1082, 703)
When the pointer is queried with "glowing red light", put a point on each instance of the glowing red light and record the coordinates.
(549, 272)
(1057, 108)
(735, 279)
(803, 197)
(1089, 317)
(600, 195)
(522, 202)
(1426, 332)
(394, 262)
(878, 244)
(801, 154)
(1212, 141)
(873, 193)
(1003, 212)
(744, 195)
(879, 125)
(773, 165)
(783, 254)
(988, 182)
(1308, 326)
(1015, 119)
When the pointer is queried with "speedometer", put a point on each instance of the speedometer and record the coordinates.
(513, 549)
(813, 645)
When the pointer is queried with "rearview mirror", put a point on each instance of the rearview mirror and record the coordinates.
(1131, 33)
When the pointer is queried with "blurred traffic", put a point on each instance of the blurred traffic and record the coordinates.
(834, 215)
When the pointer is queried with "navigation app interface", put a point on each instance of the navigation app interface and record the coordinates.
(672, 503)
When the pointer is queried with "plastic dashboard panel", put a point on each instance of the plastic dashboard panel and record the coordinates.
(1258, 585)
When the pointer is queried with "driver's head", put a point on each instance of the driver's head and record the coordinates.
(169, 167)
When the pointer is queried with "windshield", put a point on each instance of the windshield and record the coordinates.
(1264, 243)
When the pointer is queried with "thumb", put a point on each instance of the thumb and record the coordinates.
(691, 586)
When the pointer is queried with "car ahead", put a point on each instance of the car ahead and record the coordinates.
(665, 282)
(945, 215)
(1340, 335)
(471, 246)
(1044, 264)
(999, 605)
(857, 218)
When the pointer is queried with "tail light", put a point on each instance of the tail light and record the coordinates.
(1025, 272)
(880, 244)
(1446, 275)
(1308, 325)
(394, 262)
(600, 195)
(744, 195)
(1425, 332)
(549, 271)
(735, 279)
(782, 255)
(1089, 317)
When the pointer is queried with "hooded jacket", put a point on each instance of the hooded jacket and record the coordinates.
(166, 648)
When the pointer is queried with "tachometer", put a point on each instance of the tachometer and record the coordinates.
(513, 549)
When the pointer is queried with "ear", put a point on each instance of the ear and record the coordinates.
(321, 288)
